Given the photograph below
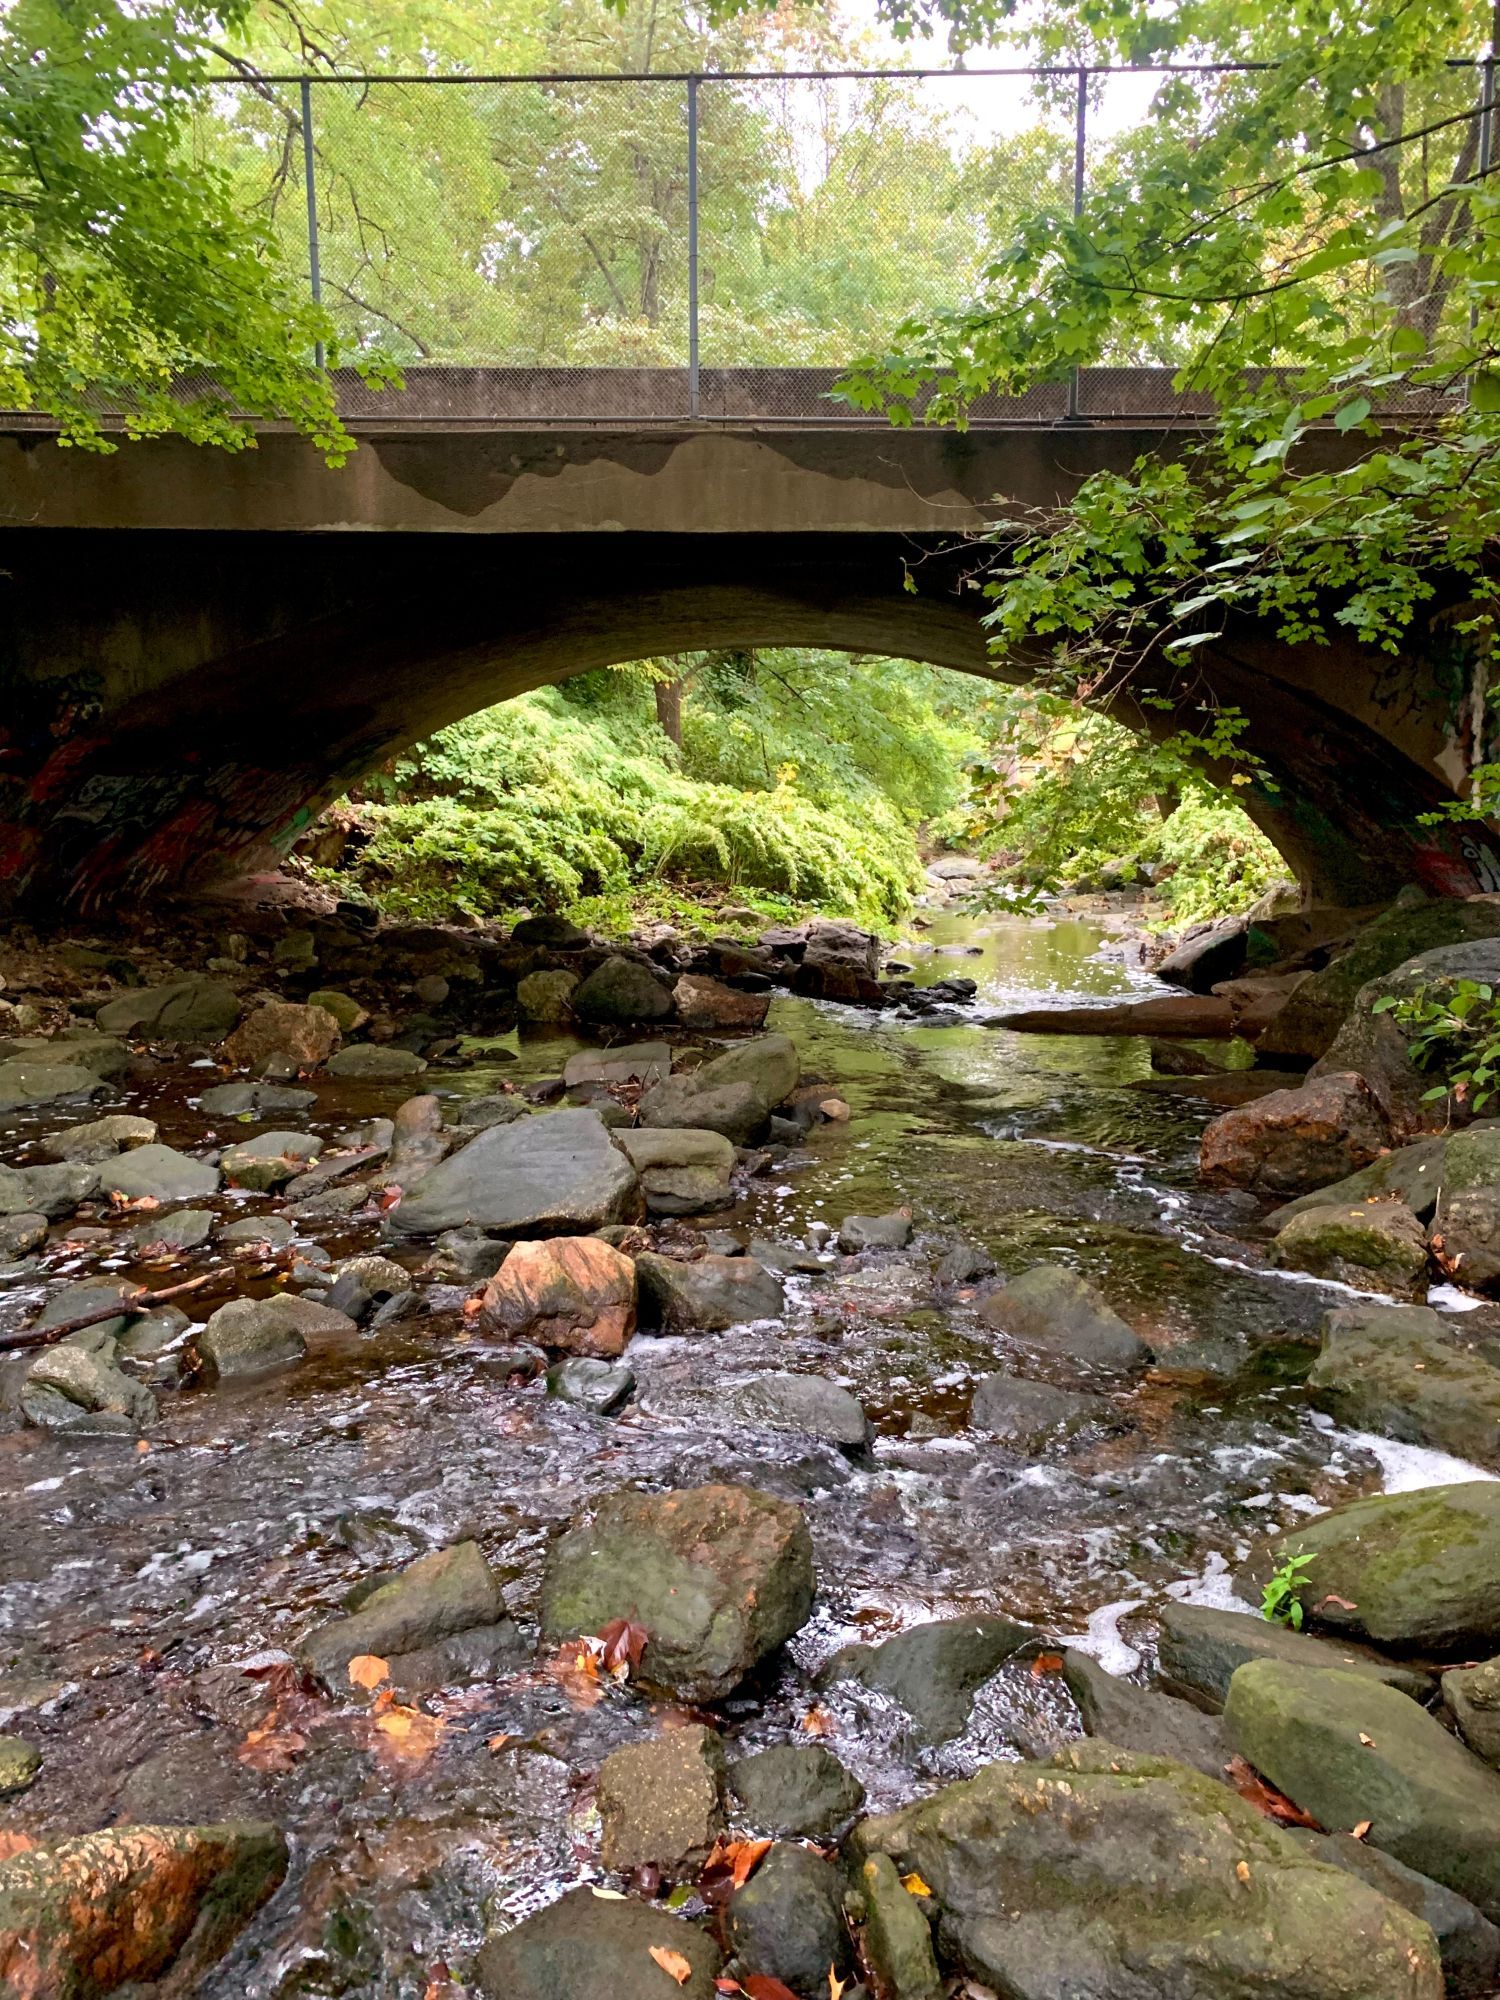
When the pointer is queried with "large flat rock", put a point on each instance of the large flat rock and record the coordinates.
(560, 1174)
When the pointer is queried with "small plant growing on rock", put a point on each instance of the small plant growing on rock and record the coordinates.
(1280, 1603)
(1457, 1032)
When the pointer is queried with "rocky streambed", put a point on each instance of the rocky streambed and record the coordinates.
(704, 1482)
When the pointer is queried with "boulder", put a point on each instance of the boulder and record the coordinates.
(1207, 953)
(270, 1160)
(101, 1139)
(375, 1060)
(787, 1923)
(418, 1138)
(1411, 1174)
(549, 933)
(1377, 1245)
(1055, 1313)
(546, 996)
(1413, 1572)
(1292, 1140)
(1349, 1751)
(644, 1063)
(448, 1592)
(1154, 1725)
(569, 1292)
(621, 991)
(1393, 1370)
(839, 962)
(1028, 1416)
(683, 1172)
(707, 1004)
(477, 1114)
(250, 1337)
(24, 1083)
(557, 1175)
(587, 1947)
(1125, 1877)
(934, 1670)
(184, 1010)
(49, 1191)
(719, 1576)
(1468, 1943)
(896, 1936)
(345, 1009)
(661, 1802)
(128, 1905)
(1307, 1025)
(19, 1764)
(1466, 1228)
(185, 1229)
(874, 1232)
(796, 1788)
(706, 1296)
(1471, 1696)
(77, 1387)
(1377, 1046)
(601, 1386)
(1200, 1648)
(160, 1172)
(808, 1404)
(281, 1031)
(255, 1100)
(463, 1256)
(21, 1234)
(734, 1093)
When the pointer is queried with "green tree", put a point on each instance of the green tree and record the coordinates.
(132, 281)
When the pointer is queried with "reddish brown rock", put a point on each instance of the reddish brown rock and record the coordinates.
(280, 1030)
(1295, 1140)
(708, 1003)
(1203, 1016)
(575, 1293)
(135, 1903)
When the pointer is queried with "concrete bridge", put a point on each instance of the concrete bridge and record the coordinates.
(198, 650)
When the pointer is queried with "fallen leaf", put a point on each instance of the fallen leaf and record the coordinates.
(368, 1670)
(761, 1986)
(1362, 1829)
(1342, 1603)
(607, 1895)
(474, 1306)
(835, 1984)
(914, 1885)
(410, 1732)
(1046, 1663)
(1265, 1798)
(14, 1843)
(734, 1860)
(623, 1644)
(818, 1722)
(1242, 1870)
(673, 1964)
(1368, 1741)
(496, 1743)
(271, 1750)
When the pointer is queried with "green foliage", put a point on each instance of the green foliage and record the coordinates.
(132, 278)
(1280, 1600)
(1069, 796)
(1455, 1028)
(801, 782)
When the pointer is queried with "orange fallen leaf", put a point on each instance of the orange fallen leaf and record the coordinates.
(1368, 1741)
(622, 1643)
(1242, 1872)
(818, 1722)
(736, 1860)
(914, 1885)
(410, 1732)
(474, 1306)
(1046, 1663)
(1359, 1832)
(368, 1670)
(1265, 1798)
(1342, 1603)
(271, 1750)
(672, 1963)
(14, 1843)
(761, 1986)
(496, 1743)
(835, 1984)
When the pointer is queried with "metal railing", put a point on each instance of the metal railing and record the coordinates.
(703, 246)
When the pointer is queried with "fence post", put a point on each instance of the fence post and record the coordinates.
(1080, 162)
(313, 272)
(692, 166)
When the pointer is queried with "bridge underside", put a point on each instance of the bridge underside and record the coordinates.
(176, 703)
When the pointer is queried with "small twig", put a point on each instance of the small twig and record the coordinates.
(130, 1303)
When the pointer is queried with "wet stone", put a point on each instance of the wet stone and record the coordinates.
(196, 1775)
(375, 1059)
(897, 1938)
(796, 1788)
(1392, 1370)
(21, 1234)
(250, 1337)
(1136, 1719)
(708, 1295)
(585, 1947)
(184, 1229)
(269, 1229)
(787, 1922)
(78, 1388)
(874, 1232)
(463, 1256)
(24, 1082)
(1200, 1648)
(1472, 1697)
(934, 1671)
(1467, 1941)
(1062, 1317)
(807, 1403)
(159, 1172)
(270, 1160)
(1028, 1416)
(477, 1114)
(19, 1764)
(661, 1802)
(601, 1386)
(50, 1191)
(255, 1100)
(546, 1175)
(450, 1591)
(101, 1139)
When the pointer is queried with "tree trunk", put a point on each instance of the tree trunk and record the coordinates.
(669, 709)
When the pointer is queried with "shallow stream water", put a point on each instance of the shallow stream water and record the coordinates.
(161, 1585)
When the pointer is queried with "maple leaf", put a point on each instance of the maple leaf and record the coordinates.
(1265, 1798)
(409, 1733)
(622, 1643)
(672, 1963)
(735, 1861)
(368, 1670)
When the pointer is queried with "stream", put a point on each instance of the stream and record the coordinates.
(160, 1585)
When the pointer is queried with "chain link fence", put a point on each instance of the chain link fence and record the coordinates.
(711, 247)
